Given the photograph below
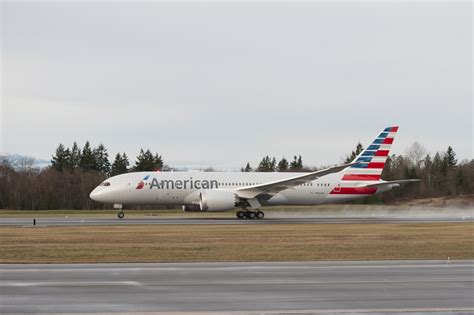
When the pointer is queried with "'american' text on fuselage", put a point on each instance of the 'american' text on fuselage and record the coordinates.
(184, 184)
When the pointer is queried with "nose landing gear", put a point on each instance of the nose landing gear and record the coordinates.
(120, 214)
(250, 214)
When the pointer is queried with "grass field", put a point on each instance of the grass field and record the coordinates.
(269, 242)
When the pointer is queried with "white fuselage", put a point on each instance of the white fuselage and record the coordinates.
(183, 188)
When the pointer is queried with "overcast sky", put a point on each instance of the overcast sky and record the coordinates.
(219, 84)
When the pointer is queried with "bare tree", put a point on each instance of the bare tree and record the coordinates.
(416, 154)
(25, 164)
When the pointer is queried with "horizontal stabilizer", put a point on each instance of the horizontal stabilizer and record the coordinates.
(394, 183)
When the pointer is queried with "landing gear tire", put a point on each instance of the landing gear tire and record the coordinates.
(241, 215)
(250, 214)
(120, 215)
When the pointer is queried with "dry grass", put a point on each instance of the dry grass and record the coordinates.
(289, 242)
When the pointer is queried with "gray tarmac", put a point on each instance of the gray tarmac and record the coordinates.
(255, 288)
(61, 221)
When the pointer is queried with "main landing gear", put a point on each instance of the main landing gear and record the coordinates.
(250, 214)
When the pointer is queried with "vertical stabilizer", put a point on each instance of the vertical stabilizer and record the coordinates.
(372, 160)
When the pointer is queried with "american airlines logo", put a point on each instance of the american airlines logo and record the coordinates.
(179, 184)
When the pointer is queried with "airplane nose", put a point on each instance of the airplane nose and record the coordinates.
(94, 195)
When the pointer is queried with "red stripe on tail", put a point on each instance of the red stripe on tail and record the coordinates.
(382, 153)
(361, 177)
(376, 165)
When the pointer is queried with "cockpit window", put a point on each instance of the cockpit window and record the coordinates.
(105, 184)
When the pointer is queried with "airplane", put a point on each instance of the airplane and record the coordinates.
(248, 191)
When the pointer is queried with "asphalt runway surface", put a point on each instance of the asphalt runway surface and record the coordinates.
(60, 221)
(272, 288)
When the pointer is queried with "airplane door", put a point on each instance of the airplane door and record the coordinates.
(337, 188)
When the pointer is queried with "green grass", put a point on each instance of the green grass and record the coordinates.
(269, 242)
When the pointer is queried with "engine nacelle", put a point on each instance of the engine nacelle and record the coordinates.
(217, 200)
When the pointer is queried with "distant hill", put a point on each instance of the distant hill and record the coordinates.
(18, 161)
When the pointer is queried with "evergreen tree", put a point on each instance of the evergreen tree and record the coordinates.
(59, 161)
(67, 163)
(436, 165)
(273, 164)
(427, 162)
(354, 154)
(101, 158)
(460, 179)
(120, 165)
(267, 165)
(88, 160)
(450, 157)
(158, 161)
(438, 173)
(283, 165)
(247, 168)
(146, 161)
(297, 163)
(75, 157)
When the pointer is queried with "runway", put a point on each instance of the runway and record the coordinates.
(61, 221)
(273, 288)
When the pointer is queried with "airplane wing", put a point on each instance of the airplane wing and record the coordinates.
(272, 188)
(394, 183)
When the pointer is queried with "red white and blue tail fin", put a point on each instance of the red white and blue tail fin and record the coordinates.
(372, 160)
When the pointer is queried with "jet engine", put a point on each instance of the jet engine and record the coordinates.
(217, 200)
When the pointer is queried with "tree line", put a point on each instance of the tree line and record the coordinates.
(97, 159)
(440, 175)
(269, 164)
(75, 171)
(67, 183)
